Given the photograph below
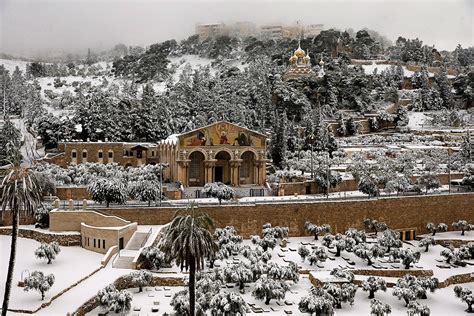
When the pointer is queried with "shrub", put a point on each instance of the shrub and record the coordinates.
(37, 281)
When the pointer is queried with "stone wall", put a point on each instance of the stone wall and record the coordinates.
(71, 220)
(397, 212)
(61, 239)
(73, 192)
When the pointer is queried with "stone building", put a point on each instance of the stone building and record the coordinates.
(220, 152)
(124, 154)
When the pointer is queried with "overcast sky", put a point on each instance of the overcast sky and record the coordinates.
(29, 27)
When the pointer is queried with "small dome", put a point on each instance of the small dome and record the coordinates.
(300, 53)
(321, 62)
(293, 59)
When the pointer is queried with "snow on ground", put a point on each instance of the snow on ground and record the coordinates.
(417, 120)
(369, 69)
(71, 264)
(452, 235)
(10, 65)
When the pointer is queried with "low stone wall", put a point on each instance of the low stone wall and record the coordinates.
(72, 192)
(123, 283)
(398, 212)
(61, 239)
(392, 273)
(457, 279)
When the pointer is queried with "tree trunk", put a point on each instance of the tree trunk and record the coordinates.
(469, 308)
(140, 289)
(338, 252)
(406, 302)
(241, 285)
(315, 236)
(426, 249)
(462, 232)
(267, 300)
(42, 296)
(369, 261)
(107, 204)
(371, 294)
(434, 232)
(49, 260)
(192, 281)
(11, 262)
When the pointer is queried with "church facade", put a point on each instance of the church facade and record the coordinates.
(220, 152)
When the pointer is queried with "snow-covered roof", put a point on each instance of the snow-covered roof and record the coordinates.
(220, 122)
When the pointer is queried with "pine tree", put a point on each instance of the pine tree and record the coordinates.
(279, 140)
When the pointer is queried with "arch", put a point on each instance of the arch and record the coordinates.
(222, 170)
(247, 168)
(251, 150)
(110, 155)
(196, 168)
(202, 151)
(221, 150)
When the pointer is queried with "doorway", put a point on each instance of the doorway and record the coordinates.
(218, 176)
(121, 243)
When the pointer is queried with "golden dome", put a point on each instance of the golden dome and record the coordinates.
(300, 53)
(293, 59)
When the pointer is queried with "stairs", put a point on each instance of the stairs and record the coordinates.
(123, 262)
(135, 243)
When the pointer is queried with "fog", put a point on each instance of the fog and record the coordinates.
(37, 27)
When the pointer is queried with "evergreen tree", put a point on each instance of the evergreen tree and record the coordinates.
(279, 140)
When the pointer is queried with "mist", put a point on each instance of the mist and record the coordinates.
(40, 27)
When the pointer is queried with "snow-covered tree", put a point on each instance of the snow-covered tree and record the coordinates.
(365, 252)
(451, 255)
(140, 279)
(318, 302)
(427, 242)
(219, 191)
(37, 281)
(268, 289)
(466, 296)
(358, 236)
(417, 309)
(318, 254)
(225, 303)
(374, 225)
(341, 292)
(112, 299)
(428, 181)
(373, 284)
(42, 215)
(303, 252)
(432, 228)
(48, 251)
(409, 288)
(180, 303)
(379, 308)
(342, 273)
(108, 191)
(154, 258)
(239, 273)
(341, 242)
(462, 225)
(408, 256)
(145, 190)
(316, 229)
(390, 239)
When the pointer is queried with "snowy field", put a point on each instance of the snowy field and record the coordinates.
(71, 264)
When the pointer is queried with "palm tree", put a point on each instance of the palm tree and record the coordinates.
(19, 191)
(188, 241)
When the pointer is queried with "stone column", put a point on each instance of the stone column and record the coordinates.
(209, 170)
(261, 172)
(183, 171)
(235, 171)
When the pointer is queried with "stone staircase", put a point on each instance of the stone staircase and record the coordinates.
(135, 243)
(123, 262)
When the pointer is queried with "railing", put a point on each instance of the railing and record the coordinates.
(146, 237)
(116, 257)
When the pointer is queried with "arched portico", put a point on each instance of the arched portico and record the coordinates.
(196, 169)
(247, 169)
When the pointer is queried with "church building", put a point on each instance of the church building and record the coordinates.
(220, 152)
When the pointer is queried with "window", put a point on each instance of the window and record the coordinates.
(94, 242)
(74, 154)
(153, 153)
(84, 153)
(103, 243)
(111, 154)
(139, 154)
(101, 154)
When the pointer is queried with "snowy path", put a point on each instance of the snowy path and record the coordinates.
(74, 298)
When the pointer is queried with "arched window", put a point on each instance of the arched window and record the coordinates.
(74, 154)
